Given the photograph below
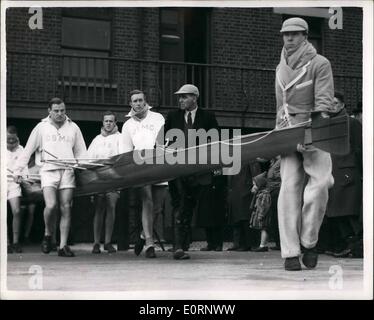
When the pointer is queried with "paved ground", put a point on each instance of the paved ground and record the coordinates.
(208, 275)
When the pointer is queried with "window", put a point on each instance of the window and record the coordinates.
(86, 37)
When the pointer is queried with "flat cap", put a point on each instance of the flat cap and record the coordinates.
(294, 24)
(188, 88)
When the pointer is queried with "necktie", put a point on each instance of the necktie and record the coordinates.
(189, 119)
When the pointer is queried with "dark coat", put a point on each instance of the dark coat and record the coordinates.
(203, 120)
(239, 193)
(345, 197)
(211, 206)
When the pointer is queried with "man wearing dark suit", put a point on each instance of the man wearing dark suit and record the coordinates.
(185, 191)
(344, 210)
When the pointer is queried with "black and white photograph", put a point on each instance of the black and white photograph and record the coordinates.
(186, 150)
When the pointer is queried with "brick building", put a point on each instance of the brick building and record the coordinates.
(92, 58)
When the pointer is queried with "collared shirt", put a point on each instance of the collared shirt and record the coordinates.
(193, 115)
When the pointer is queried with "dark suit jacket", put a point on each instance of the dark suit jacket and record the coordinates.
(203, 120)
(345, 197)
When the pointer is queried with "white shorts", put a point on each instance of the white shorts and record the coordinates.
(14, 190)
(59, 179)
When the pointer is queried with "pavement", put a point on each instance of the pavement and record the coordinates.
(207, 275)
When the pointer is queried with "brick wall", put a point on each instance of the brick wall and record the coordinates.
(39, 71)
(242, 37)
(344, 50)
(249, 37)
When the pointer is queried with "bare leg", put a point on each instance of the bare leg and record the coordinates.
(99, 217)
(111, 202)
(50, 199)
(147, 214)
(65, 196)
(30, 219)
(264, 238)
(15, 205)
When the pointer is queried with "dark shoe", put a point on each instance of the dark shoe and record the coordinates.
(310, 258)
(54, 247)
(276, 247)
(179, 254)
(108, 247)
(139, 245)
(243, 249)
(292, 264)
(65, 252)
(207, 248)
(17, 248)
(260, 249)
(150, 252)
(47, 244)
(342, 254)
(9, 249)
(96, 248)
(233, 248)
(218, 248)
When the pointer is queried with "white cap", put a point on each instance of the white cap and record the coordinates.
(294, 24)
(188, 88)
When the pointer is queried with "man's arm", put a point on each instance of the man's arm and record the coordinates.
(323, 88)
(91, 151)
(126, 144)
(79, 148)
(31, 146)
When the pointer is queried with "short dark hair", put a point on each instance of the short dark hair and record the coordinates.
(109, 113)
(54, 101)
(339, 95)
(136, 91)
(12, 130)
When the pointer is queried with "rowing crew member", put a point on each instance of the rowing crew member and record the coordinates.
(57, 137)
(14, 192)
(138, 133)
(105, 145)
(304, 88)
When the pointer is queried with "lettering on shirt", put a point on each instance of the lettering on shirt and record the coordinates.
(58, 138)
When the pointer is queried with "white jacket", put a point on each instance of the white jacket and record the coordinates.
(141, 134)
(63, 143)
(104, 147)
(12, 157)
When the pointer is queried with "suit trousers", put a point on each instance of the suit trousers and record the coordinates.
(184, 200)
(301, 209)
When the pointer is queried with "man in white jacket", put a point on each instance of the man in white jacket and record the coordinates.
(138, 133)
(55, 137)
(304, 89)
(105, 145)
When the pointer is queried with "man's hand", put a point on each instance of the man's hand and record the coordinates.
(254, 188)
(319, 115)
(300, 147)
(17, 178)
